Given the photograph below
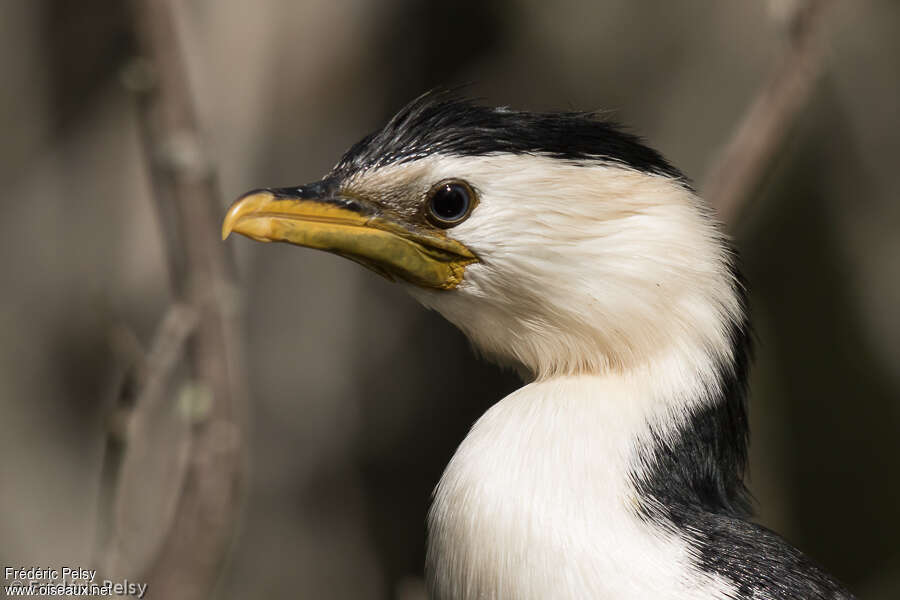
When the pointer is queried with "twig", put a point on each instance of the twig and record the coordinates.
(138, 398)
(766, 123)
(205, 496)
(168, 344)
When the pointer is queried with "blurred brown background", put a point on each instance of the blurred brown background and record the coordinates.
(357, 395)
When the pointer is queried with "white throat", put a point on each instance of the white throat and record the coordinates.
(538, 502)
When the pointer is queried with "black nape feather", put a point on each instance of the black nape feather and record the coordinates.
(704, 465)
(693, 485)
(444, 123)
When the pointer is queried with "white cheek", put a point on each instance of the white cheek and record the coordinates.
(585, 267)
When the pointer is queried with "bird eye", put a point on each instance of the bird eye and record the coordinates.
(450, 203)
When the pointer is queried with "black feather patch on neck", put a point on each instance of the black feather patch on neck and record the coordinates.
(693, 484)
(443, 123)
(703, 466)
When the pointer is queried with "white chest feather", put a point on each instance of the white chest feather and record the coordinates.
(537, 502)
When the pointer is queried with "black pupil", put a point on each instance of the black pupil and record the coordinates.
(450, 202)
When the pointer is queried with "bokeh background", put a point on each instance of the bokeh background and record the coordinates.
(357, 395)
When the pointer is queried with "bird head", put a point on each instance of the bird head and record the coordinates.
(554, 241)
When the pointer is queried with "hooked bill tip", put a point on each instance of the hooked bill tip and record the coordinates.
(246, 204)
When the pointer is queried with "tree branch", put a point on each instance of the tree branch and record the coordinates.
(205, 493)
(766, 123)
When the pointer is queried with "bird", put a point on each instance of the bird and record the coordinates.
(563, 246)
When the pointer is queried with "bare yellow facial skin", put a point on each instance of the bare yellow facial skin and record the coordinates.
(381, 244)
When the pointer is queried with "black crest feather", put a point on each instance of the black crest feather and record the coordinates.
(445, 123)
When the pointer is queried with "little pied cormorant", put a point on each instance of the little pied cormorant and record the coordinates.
(562, 245)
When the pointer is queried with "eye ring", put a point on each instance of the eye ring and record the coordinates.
(449, 203)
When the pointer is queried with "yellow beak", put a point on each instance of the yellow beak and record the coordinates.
(352, 230)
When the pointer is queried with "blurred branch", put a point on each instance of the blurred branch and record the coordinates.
(167, 348)
(765, 124)
(206, 494)
(143, 385)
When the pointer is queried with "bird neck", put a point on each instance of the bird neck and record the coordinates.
(681, 419)
(594, 470)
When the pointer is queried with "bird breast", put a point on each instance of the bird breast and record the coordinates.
(538, 503)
